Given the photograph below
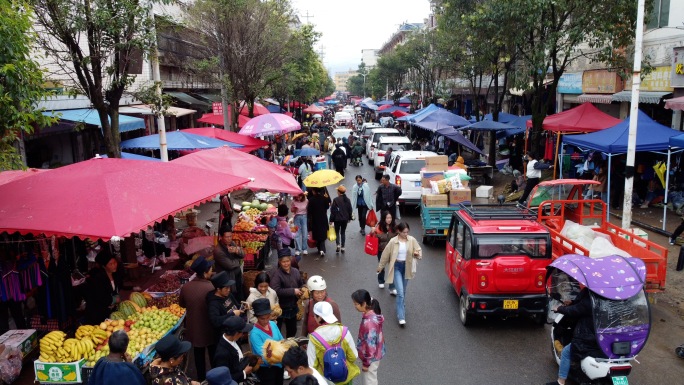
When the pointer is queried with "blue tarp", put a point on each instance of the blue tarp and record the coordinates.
(384, 102)
(677, 141)
(90, 116)
(128, 155)
(651, 136)
(370, 106)
(488, 125)
(331, 101)
(272, 108)
(504, 117)
(456, 136)
(441, 116)
(177, 140)
(404, 101)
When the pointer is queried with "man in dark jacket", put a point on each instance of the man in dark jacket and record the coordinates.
(340, 214)
(339, 159)
(228, 256)
(387, 195)
(286, 281)
(583, 341)
(221, 303)
(228, 352)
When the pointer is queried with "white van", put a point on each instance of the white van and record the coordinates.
(396, 143)
(404, 171)
(373, 138)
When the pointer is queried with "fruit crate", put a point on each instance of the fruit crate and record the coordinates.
(42, 324)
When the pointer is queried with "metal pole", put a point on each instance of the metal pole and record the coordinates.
(156, 78)
(608, 175)
(633, 117)
(667, 185)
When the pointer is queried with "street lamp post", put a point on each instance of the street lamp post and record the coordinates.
(364, 74)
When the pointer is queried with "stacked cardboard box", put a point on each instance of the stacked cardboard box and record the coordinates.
(435, 166)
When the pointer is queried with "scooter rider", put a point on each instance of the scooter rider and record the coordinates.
(584, 337)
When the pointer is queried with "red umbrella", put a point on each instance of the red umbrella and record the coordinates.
(263, 174)
(399, 114)
(8, 176)
(249, 144)
(104, 197)
(296, 104)
(385, 106)
(217, 120)
(259, 109)
(313, 110)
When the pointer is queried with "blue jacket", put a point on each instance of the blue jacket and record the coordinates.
(366, 195)
(257, 338)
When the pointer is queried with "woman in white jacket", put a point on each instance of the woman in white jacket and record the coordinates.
(400, 257)
(361, 200)
(261, 289)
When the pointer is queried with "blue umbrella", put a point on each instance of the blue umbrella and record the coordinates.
(331, 101)
(128, 155)
(307, 151)
(177, 140)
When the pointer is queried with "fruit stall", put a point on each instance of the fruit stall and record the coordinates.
(68, 359)
(250, 233)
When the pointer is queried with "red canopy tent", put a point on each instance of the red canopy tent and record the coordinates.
(259, 109)
(583, 118)
(217, 120)
(249, 144)
(104, 197)
(262, 174)
(296, 104)
(313, 110)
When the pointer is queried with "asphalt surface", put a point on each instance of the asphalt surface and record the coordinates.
(434, 347)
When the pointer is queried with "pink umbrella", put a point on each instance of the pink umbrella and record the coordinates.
(8, 176)
(270, 124)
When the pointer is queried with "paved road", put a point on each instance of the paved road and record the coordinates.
(434, 348)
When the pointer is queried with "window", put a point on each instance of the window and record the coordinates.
(468, 244)
(490, 246)
(659, 16)
(412, 166)
(394, 162)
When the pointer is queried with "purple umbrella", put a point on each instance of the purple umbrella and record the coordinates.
(270, 124)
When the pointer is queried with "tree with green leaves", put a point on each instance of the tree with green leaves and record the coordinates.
(21, 82)
(97, 43)
(424, 62)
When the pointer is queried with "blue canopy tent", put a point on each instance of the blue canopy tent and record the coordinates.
(177, 140)
(404, 100)
(90, 116)
(385, 102)
(369, 105)
(520, 124)
(488, 125)
(417, 114)
(439, 118)
(651, 136)
(274, 109)
(456, 136)
(504, 117)
(331, 102)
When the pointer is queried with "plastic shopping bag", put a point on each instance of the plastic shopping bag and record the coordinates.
(310, 241)
(332, 235)
(371, 245)
(371, 219)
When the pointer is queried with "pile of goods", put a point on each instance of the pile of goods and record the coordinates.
(248, 232)
(169, 282)
(442, 186)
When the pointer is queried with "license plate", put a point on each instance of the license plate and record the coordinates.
(510, 304)
(620, 380)
(416, 184)
(445, 231)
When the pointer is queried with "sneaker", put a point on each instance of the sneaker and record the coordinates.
(296, 253)
(672, 241)
(381, 285)
(363, 233)
(402, 322)
(393, 292)
(305, 252)
(342, 249)
(322, 253)
(286, 376)
(337, 249)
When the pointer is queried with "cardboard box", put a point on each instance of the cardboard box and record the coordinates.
(436, 200)
(25, 340)
(58, 373)
(484, 191)
(437, 163)
(459, 195)
(427, 176)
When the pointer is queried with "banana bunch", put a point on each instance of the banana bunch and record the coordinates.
(51, 347)
(92, 333)
(77, 349)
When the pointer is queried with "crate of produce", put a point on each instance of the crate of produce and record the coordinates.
(58, 373)
(24, 340)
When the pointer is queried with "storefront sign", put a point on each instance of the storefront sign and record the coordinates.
(658, 80)
(677, 79)
(217, 108)
(570, 83)
(601, 82)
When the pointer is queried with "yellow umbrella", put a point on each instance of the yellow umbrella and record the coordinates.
(322, 178)
(660, 170)
(297, 136)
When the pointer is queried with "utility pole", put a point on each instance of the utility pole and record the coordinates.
(156, 78)
(633, 117)
(307, 17)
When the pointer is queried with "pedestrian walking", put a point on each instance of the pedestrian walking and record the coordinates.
(386, 196)
(534, 168)
(339, 158)
(318, 291)
(198, 328)
(287, 282)
(331, 333)
(370, 341)
(283, 230)
(262, 289)
(265, 329)
(400, 257)
(385, 230)
(228, 351)
(299, 210)
(305, 169)
(228, 257)
(317, 210)
(340, 215)
(361, 200)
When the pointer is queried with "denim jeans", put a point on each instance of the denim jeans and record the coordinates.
(302, 233)
(400, 284)
(340, 229)
(564, 367)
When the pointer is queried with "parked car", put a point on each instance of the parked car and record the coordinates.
(396, 143)
(373, 138)
(342, 133)
(404, 171)
(343, 119)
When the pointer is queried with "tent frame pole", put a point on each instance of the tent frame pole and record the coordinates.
(667, 185)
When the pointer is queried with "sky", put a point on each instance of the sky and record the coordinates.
(348, 26)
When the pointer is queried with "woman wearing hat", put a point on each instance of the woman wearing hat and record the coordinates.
(318, 292)
(165, 370)
(286, 281)
(228, 352)
(221, 303)
(341, 214)
(102, 292)
(265, 329)
(198, 328)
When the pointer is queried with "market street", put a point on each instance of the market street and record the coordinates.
(434, 348)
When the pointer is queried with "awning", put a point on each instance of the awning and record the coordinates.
(595, 98)
(211, 97)
(185, 98)
(675, 104)
(145, 109)
(650, 97)
(90, 116)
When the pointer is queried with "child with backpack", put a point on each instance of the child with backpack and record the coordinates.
(331, 350)
(371, 342)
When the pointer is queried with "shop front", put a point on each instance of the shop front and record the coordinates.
(598, 87)
(569, 88)
(653, 89)
(677, 84)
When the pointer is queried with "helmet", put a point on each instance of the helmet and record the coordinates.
(316, 282)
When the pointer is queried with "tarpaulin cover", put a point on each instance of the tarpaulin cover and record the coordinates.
(217, 120)
(385, 102)
(441, 116)
(90, 116)
(392, 109)
(583, 118)
(177, 140)
(651, 136)
(456, 136)
(248, 144)
(101, 198)
(504, 117)
(677, 141)
(262, 174)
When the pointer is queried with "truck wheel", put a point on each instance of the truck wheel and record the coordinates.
(466, 319)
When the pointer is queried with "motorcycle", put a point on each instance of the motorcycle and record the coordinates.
(620, 311)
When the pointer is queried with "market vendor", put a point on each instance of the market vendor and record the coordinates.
(228, 256)
(221, 303)
(102, 293)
